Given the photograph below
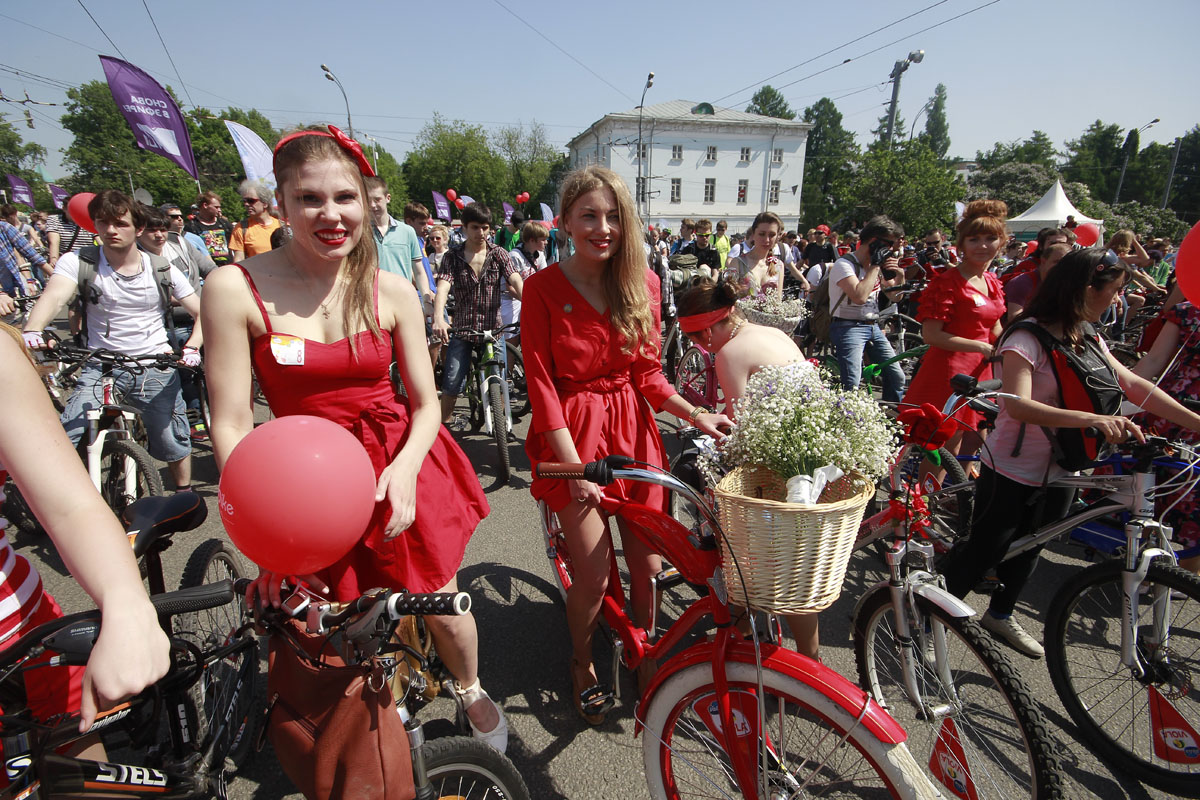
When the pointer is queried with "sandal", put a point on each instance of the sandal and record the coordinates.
(592, 703)
(468, 696)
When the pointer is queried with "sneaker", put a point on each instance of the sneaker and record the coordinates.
(199, 432)
(1008, 631)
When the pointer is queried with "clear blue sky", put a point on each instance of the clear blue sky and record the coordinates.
(1009, 67)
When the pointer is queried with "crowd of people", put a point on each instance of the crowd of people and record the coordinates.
(318, 289)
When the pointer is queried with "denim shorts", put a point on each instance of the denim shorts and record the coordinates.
(156, 394)
(458, 362)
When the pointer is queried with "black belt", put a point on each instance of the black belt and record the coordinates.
(856, 321)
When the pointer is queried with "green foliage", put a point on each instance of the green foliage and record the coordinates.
(909, 183)
(1018, 184)
(1037, 150)
(937, 127)
(880, 130)
(828, 165)
(534, 165)
(768, 102)
(1148, 221)
(388, 168)
(22, 159)
(1185, 190)
(1095, 159)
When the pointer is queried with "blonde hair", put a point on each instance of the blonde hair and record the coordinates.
(1121, 242)
(625, 279)
(360, 267)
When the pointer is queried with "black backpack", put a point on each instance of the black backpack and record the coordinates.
(87, 294)
(1086, 382)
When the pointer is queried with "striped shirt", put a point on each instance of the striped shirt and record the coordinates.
(20, 587)
(71, 237)
(12, 244)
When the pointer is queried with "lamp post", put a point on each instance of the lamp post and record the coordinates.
(915, 57)
(330, 76)
(374, 151)
(641, 189)
(1130, 142)
(913, 129)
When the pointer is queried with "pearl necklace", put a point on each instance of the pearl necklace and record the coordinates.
(735, 330)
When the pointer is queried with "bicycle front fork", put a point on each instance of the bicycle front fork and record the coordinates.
(1137, 567)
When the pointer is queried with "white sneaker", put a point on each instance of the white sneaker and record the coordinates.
(1008, 631)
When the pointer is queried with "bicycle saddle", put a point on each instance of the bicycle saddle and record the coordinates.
(150, 518)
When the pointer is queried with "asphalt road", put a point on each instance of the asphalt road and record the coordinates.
(524, 650)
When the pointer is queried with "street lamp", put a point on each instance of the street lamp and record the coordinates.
(913, 129)
(330, 76)
(374, 151)
(915, 57)
(641, 189)
(1130, 142)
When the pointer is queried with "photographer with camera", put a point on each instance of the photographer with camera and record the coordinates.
(855, 281)
(934, 257)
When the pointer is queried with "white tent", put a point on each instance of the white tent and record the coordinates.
(1051, 210)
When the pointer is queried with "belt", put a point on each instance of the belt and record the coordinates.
(856, 321)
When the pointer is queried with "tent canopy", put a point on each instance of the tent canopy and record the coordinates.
(1052, 210)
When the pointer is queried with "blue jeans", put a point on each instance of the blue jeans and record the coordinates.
(155, 394)
(850, 339)
(458, 362)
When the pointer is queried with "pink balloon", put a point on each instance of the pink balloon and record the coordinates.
(451, 195)
(296, 494)
(1187, 265)
(77, 208)
(1087, 234)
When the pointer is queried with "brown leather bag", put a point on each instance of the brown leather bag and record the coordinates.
(336, 736)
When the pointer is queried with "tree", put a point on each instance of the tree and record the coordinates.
(1019, 185)
(1185, 189)
(388, 168)
(881, 127)
(534, 165)
(22, 159)
(828, 164)
(454, 154)
(910, 184)
(1095, 159)
(768, 102)
(1037, 149)
(937, 128)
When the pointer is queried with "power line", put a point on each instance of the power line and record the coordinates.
(106, 36)
(168, 52)
(53, 82)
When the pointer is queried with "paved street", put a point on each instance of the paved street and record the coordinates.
(524, 652)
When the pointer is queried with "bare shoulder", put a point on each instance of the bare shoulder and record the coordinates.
(226, 281)
(396, 293)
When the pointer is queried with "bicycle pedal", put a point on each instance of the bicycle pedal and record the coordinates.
(668, 578)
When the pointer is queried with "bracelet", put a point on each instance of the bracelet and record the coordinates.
(697, 411)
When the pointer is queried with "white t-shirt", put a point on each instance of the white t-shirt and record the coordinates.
(129, 316)
(843, 268)
(510, 309)
(781, 250)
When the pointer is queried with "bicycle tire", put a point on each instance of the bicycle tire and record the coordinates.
(865, 767)
(672, 351)
(467, 769)
(1110, 707)
(1008, 749)
(116, 458)
(500, 428)
(214, 561)
(518, 386)
(692, 376)
(474, 402)
(556, 550)
(17, 511)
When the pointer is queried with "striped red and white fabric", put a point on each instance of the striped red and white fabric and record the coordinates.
(20, 585)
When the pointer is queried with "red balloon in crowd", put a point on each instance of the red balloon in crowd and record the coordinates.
(296, 494)
(77, 208)
(451, 195)
(459, 204)
(1187, 265)
(1087, 234)
(1029, 248)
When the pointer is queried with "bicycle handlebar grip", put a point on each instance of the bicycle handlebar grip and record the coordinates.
(196, 598)
(558, 469)
(453, 604)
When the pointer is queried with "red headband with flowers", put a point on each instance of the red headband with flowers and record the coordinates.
(345, 142)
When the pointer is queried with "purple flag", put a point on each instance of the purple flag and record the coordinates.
(57, 194)
(507, 212)
(442, 206)
(547, 213)
(152, 115)
(21, 193)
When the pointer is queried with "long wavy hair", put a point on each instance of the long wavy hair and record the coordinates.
(358, 269)
(625, 279)
(1062, 296)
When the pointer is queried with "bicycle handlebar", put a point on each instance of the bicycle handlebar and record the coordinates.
(598, 472)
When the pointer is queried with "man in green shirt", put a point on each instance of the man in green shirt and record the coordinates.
(399, 250)
(721, 242)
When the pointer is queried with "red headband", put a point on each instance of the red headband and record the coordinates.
(345, 142)
(698, 322)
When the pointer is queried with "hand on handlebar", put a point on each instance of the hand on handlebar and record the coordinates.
(441, 331)
(267, 587)
(7, 304)
(715, 425)
(190, 357)
(131, 653)
(585, 492)
(1117, 429)
(34, 340)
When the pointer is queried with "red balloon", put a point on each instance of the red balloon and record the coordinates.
(77, 208)
(524, 197)
(1030, 247)
(451, 195)
(1087, 234)
(459, 204)
(1187, 265)
(296, 494)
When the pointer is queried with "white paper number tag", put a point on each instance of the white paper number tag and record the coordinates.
(288, 350)
(980, 300)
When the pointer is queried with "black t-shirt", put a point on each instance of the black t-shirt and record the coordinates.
(819, 253)
(216, 238)
(705, 257)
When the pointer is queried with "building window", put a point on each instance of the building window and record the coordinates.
(743, 190)
(711, 153)
(777, 155)
(641, 151)
(676, 189)
(745, 159)
(773, 194)
(710, 190)
(677, 152)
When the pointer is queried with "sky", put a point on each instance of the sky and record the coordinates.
(1010, 66)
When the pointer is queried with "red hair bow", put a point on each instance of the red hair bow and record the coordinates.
(927, 427)
(353, 148)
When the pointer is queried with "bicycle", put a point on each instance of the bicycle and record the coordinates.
(365, 629)
(488, 393)
(728, 717)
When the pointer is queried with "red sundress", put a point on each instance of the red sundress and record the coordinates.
(580, 380)
(356, 393)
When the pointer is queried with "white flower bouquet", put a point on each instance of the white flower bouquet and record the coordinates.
(769, 309)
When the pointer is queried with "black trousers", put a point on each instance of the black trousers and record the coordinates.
(1004, 511)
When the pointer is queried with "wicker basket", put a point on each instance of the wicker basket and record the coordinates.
(792, 556)
(784, 322)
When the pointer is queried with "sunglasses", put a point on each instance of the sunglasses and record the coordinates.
(703, 235)
(174, 216)
(933, 244)
(1110, 260)
(249, 201)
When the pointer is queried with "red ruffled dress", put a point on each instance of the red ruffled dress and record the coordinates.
(964, 311)
(356, 393)
(579, 379)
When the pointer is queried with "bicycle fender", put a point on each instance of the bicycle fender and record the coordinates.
(812, 673)
(882, 586)
(944, 600)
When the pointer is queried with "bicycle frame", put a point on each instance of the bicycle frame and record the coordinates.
(486, 369)
(118, 422)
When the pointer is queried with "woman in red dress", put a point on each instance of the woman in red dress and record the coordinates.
(590, 338)
(319, 324)
(960, 314)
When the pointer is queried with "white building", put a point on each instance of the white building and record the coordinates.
(701, 161)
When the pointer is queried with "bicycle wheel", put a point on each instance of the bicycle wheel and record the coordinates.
(17, 511)
(683, 756)
(518, 388)
(461, 768)
(1145, 726)
(692, 376)
(127, 472)
(474, 403)
(228, 685)
(556, 550)
(672, 351)
(499, 427)
(951, 501)
(686, 471)
(975, 722)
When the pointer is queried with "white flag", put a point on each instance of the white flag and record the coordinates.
(256, 156)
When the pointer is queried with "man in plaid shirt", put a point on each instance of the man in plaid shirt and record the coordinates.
(12, 283)
(477, 270)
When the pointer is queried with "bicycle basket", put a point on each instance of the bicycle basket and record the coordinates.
(792, 556)
(793, 312)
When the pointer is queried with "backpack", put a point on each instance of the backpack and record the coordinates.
(821, 318)
(87, 294)
(1086, 382)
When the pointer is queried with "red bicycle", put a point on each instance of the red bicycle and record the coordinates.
(727, 716)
